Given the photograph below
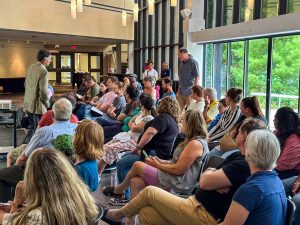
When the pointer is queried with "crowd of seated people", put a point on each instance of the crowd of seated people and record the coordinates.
(154, 143)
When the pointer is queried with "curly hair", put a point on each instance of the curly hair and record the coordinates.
(170, 106)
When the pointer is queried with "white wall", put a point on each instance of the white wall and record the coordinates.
(16, 57)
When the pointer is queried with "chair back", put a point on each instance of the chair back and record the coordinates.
(290, 212)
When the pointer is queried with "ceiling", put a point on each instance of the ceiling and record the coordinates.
(50, 38)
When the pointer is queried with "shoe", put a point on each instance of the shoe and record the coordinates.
(118, 201)
(109, 221)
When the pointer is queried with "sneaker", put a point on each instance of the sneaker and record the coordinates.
(118, 201)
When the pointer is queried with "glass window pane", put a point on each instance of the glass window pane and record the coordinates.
(52, 64)
(65, 62)
(285, 74)
(208, 67)
(237, 65)
(52, 76)
(247, 7)
(224, 69)
(66, 77)
(257, 71)
(95, 62)
(211, 13)
(294, 6)
(228, 12)
(270, 8)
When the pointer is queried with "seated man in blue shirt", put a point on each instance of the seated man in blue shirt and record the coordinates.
(9, 177)
(167, 86)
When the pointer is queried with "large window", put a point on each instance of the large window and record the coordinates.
(294, 6)
(227, 12)
(247, 64)
(270, 8)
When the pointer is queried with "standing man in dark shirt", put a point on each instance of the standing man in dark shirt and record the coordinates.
(212, 200)
(188, 77)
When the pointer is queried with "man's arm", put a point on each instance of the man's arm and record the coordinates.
(43, 87)
(197, 79)
(237, 215)
(213, 179)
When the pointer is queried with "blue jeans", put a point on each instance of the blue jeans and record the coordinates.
(125, 164)
(288, 184)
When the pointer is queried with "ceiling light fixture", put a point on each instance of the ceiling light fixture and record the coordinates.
(173, 3)
(73, 9)
(87, 2)
(79, 6)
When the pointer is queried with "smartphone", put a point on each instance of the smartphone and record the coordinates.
(145, 154)
(4, 204)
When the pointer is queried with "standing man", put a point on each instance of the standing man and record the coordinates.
(188, 77)
(36, 100)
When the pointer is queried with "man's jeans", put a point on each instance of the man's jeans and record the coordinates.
(288, 184)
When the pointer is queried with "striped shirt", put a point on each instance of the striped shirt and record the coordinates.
(228, 120)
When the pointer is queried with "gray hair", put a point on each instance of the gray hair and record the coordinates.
(62, 109)
(211, 93)
(262, 149)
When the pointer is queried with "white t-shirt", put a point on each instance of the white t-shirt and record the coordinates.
(150, 73)
(197, 106)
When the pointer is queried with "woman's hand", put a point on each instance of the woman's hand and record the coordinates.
(20, 194)
(152, 161)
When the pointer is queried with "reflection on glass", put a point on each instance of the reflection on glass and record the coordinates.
(228, 12)
(65, 62)
(285, 73)
(294, 6)
(66, 77)
(269, 8)
(237, 65)
(95, 62)
(224, 69)
(208, 67)
(211, 14)
(247, 7)
(52, 64)
(257, 70)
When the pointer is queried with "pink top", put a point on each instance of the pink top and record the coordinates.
(109, 97)
(290, 157)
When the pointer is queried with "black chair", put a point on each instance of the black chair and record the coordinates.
(290, 212)
(100, 214)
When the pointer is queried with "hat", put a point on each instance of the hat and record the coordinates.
(64, 144)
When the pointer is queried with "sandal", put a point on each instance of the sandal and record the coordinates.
(109, 191)
(109, 221)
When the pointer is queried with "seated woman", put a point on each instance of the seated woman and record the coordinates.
(230, 117)
(210, 203)
(287, 125)
(198, 97)
(127, 141)
(261, 200)
(99, 98)
(181, 172)
(250, 108)
(157, 139)
(68, 202)
(88, 147)
(149, 83)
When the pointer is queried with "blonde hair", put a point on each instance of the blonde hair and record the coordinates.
(52, 185)
(170, 106)
(195, 126)
(88, 140)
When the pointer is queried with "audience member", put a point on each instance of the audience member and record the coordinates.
(287, 125)
(261, 200)
(99, 98)
(211, 201)
(111, 128)
(167, 87)
(149, 83)
(93, 88)
(51, 193)
(36, 100)
(230, 117)
(188, 77)
(165, 71)
(9, 177)
(157, 139)
(211, 104)
(126, 81)
(181, 172)
(127, 141)
(197, 96)
(88, 147)
(150, 71)
(221, 107)
(250, 108)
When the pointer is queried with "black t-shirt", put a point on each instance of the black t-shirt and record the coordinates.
(162, 142)
(237, 170)
(165, 73)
